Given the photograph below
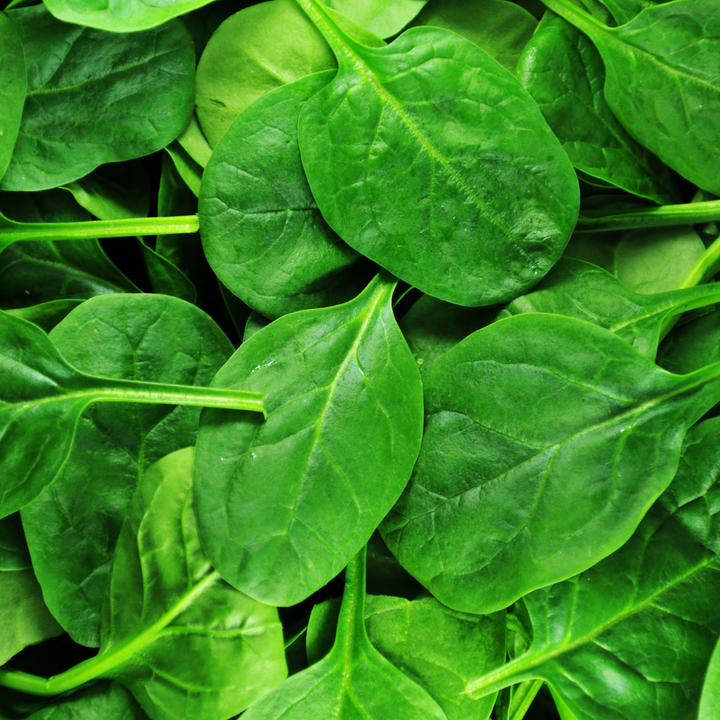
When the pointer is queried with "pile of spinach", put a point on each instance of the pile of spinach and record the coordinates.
(421, 290)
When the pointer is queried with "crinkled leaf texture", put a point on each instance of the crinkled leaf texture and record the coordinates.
(284, 504)
(354, 680)
(431, 159)
(632, 636)
(578, 289)
(73, 526)
(261, 230)
(193, 647)
(87, 99)
(546, 441)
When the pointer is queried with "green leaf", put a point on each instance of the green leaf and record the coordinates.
(578, 289)
(192, 140)
(400, 629)
(24, 618)
(710, 699)
(48, 314)
(546, 441)
(383, 18)
(692, 346)
(344, 404)
(192, 646)
(13, 86)
(565, 74)
(42, 397)
(189, 169)
(13, 548)
(121, 17)
(254, 324)
(87, 101)
(165, 277)
(254, 51)
(632, 636)
(73, 526)
(662, 81)
(416, 155)
(262, 232)
(354, 680)
(500, 28)
(101, 701)
(431, 327)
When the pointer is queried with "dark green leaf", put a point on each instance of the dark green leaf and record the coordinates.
(578, 289)
(354, 680)
(201, 648)
(385, 575)
(500, 28)
(692, 346)
(417, 154)
(13, 86)
(122, 17)
(165, 277)
(101, 701)
(255, 323)
(46, 315)
(632, 636)
(344, 404)
(189, 169)
(662, 81)
(546, 441)
(13, 548)
(261, 230)
(565, 75)
(88, 101)
(72, 528)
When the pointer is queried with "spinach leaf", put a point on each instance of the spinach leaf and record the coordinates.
(14, 553)
(632, 636)
(383, 18)
(662, 81)
(564, 73)
(500, 28)
(194, 142)
(13, 86)
(262, 232)
(406, 171)
(43, 396)
(102, 701)
(254, 51)
(46, 315)
(123, 16)
(183, 641)
(399, 629)
(73, 526)
(344, 403)
(577, 289)
(710, 700)
(354, 680)
(188, 168)
(692, 346)
(87, 101)
(546, 441)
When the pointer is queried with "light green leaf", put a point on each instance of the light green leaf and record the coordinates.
(381, 17)
(344, 404)
(546, 440)
(13, 86)
(710, 699)
(424, 179)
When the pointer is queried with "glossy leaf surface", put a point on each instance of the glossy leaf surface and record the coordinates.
(517, 489)
(121, 16)
(354, 680)
(632, 636)
(565, 74)
(87, 102)
(42, 397)
(73, 526)
(432, 200)
(500, 28)
(262, 232)
(674, 110)
(401, 629)
(13, 86)
(192, 646)
(344, 404)
(381, 17)
(256, 50)
(577, 289)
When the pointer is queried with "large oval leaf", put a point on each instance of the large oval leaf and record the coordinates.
(429, 158)
(87, 101)
(284, 504)
(546, 441)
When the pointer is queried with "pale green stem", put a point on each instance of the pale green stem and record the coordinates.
(575, 15)
(104, 663)
(98, 229)
(664, 216)
(351, 623)
(522, 697)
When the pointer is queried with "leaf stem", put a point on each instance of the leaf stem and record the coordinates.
(576, 16)
(12, 231)
(522, 698)
(664, 216)
(102, 664)
(351, 623)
